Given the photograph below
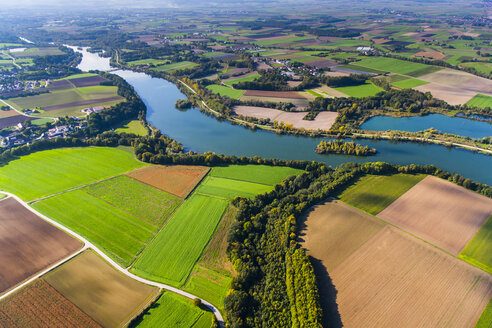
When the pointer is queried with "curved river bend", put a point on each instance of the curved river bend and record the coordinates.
(201, 133)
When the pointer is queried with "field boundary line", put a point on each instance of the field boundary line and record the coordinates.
(88, 244)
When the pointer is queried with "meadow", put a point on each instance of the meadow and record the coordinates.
(228, 188)
(244, 78)
(373, 193)
(479, 250)
(141, 200)
(47, 172)
(209, 284)
(263, 174)
(360, 91)
(225, 91)
(481, 101)
(134, 126)
(174, 66)
(408, 83)
(119, 233)
(148, 61)
(397, 66)
(105, 294)
(177, 247)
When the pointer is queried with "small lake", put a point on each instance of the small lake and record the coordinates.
(455, 125)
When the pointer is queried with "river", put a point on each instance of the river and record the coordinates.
(200, 133)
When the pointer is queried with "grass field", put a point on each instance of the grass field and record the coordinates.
(177, 247)
(119, 233)
(480, 247)
(481, 101)
(148, 61)
(175, 66)
(409, 83)
(209, 284)
(263, 174)
(141, 200)
(482, 67)
(228, 188)
(225, 91)
(397, 66)
(172, 311)
(281, 40)
(247, 78)
(485, 320)
(134, 127)
(51, 171)
(373, 193)
(105, 294)
(360, 91)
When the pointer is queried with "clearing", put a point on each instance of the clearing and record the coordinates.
(421, 210)
(106, 295)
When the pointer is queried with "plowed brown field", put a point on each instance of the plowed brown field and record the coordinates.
(373, 275)
(28, 244)
(440, 212)
(178, 180)
(106, 295)
(39, 305)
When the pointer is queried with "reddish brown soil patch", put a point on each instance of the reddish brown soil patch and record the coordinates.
(430, 55)
(59, 85)
(39, 305)
(28, 244)
(88, 81)
(7, 113)
(440, 212)
(178, 180)
(274, 94)
(13, 120)
(82, 103)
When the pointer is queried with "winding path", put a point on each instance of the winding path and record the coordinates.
(89, 245)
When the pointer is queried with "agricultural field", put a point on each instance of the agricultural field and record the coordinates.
(178, 180)
(482, 67)
(263, 174)
(408, 83)
(106, 295)
(175, 66)
(373, 193)
(397, 66)
(135, 127)
(23, 234)
(244, 78)
(420, 211)
(51, 171)
(119, 233)
(173, 311)
(40, 305)
(479, 250)
(227, 188)
(37, 52)
(209, 284)
(360, 91)
(177, 247)
(481, 101)
(378, 263)
(149, 61)
(225, 91)
(141, 200)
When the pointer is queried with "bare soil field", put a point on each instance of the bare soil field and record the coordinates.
(395, 280)
(336, 73)
(440, 212)
(179, 180)
(59, 85)
(39, 305)
(452, 95)
(323, 121)
(430, 54)
(82, 103)
(88, 81)
(349, 229)
(106, 295)
(7, 113)
(5, 122)
(273, 94)
(321, 63)
(28, 244)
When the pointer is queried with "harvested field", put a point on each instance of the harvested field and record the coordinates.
(88, 81)
(7, 113)
(273, 94)
(28, 244)
(434, 55)
(440, 212)
(321, 63)
(39, 305)
(178, 180)
(323, 121)
(82, 103)
(395, 280)
(452, 95)
(6, 122)
(107, 296)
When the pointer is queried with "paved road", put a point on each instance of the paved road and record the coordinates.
(88, 244)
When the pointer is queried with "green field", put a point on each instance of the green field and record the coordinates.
(263, 174)
(228, 188)
(135, 127)
(482, 67)
(360, 91)
(210, 285)
(225, 91)
(373, 193)
(47, 172)
(485, 320)
(481, 101)
(175, 66)
(148, 61)
(173, 253)
(397, 66)
(408, 83)
(173, 311)
(247, 78)
(479, 249)
(119, 233)
(281, 40)
(141, 200)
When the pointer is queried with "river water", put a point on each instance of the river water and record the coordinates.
(200, 133)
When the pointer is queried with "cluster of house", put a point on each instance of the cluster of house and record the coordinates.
(90, 110)
(17, 85)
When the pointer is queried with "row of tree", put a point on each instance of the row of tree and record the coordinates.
(345, 148)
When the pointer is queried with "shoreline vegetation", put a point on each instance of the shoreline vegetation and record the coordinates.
(345, 148)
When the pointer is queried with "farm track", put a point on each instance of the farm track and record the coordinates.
(87, 245)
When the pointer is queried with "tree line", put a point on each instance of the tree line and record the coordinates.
(345, 148)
